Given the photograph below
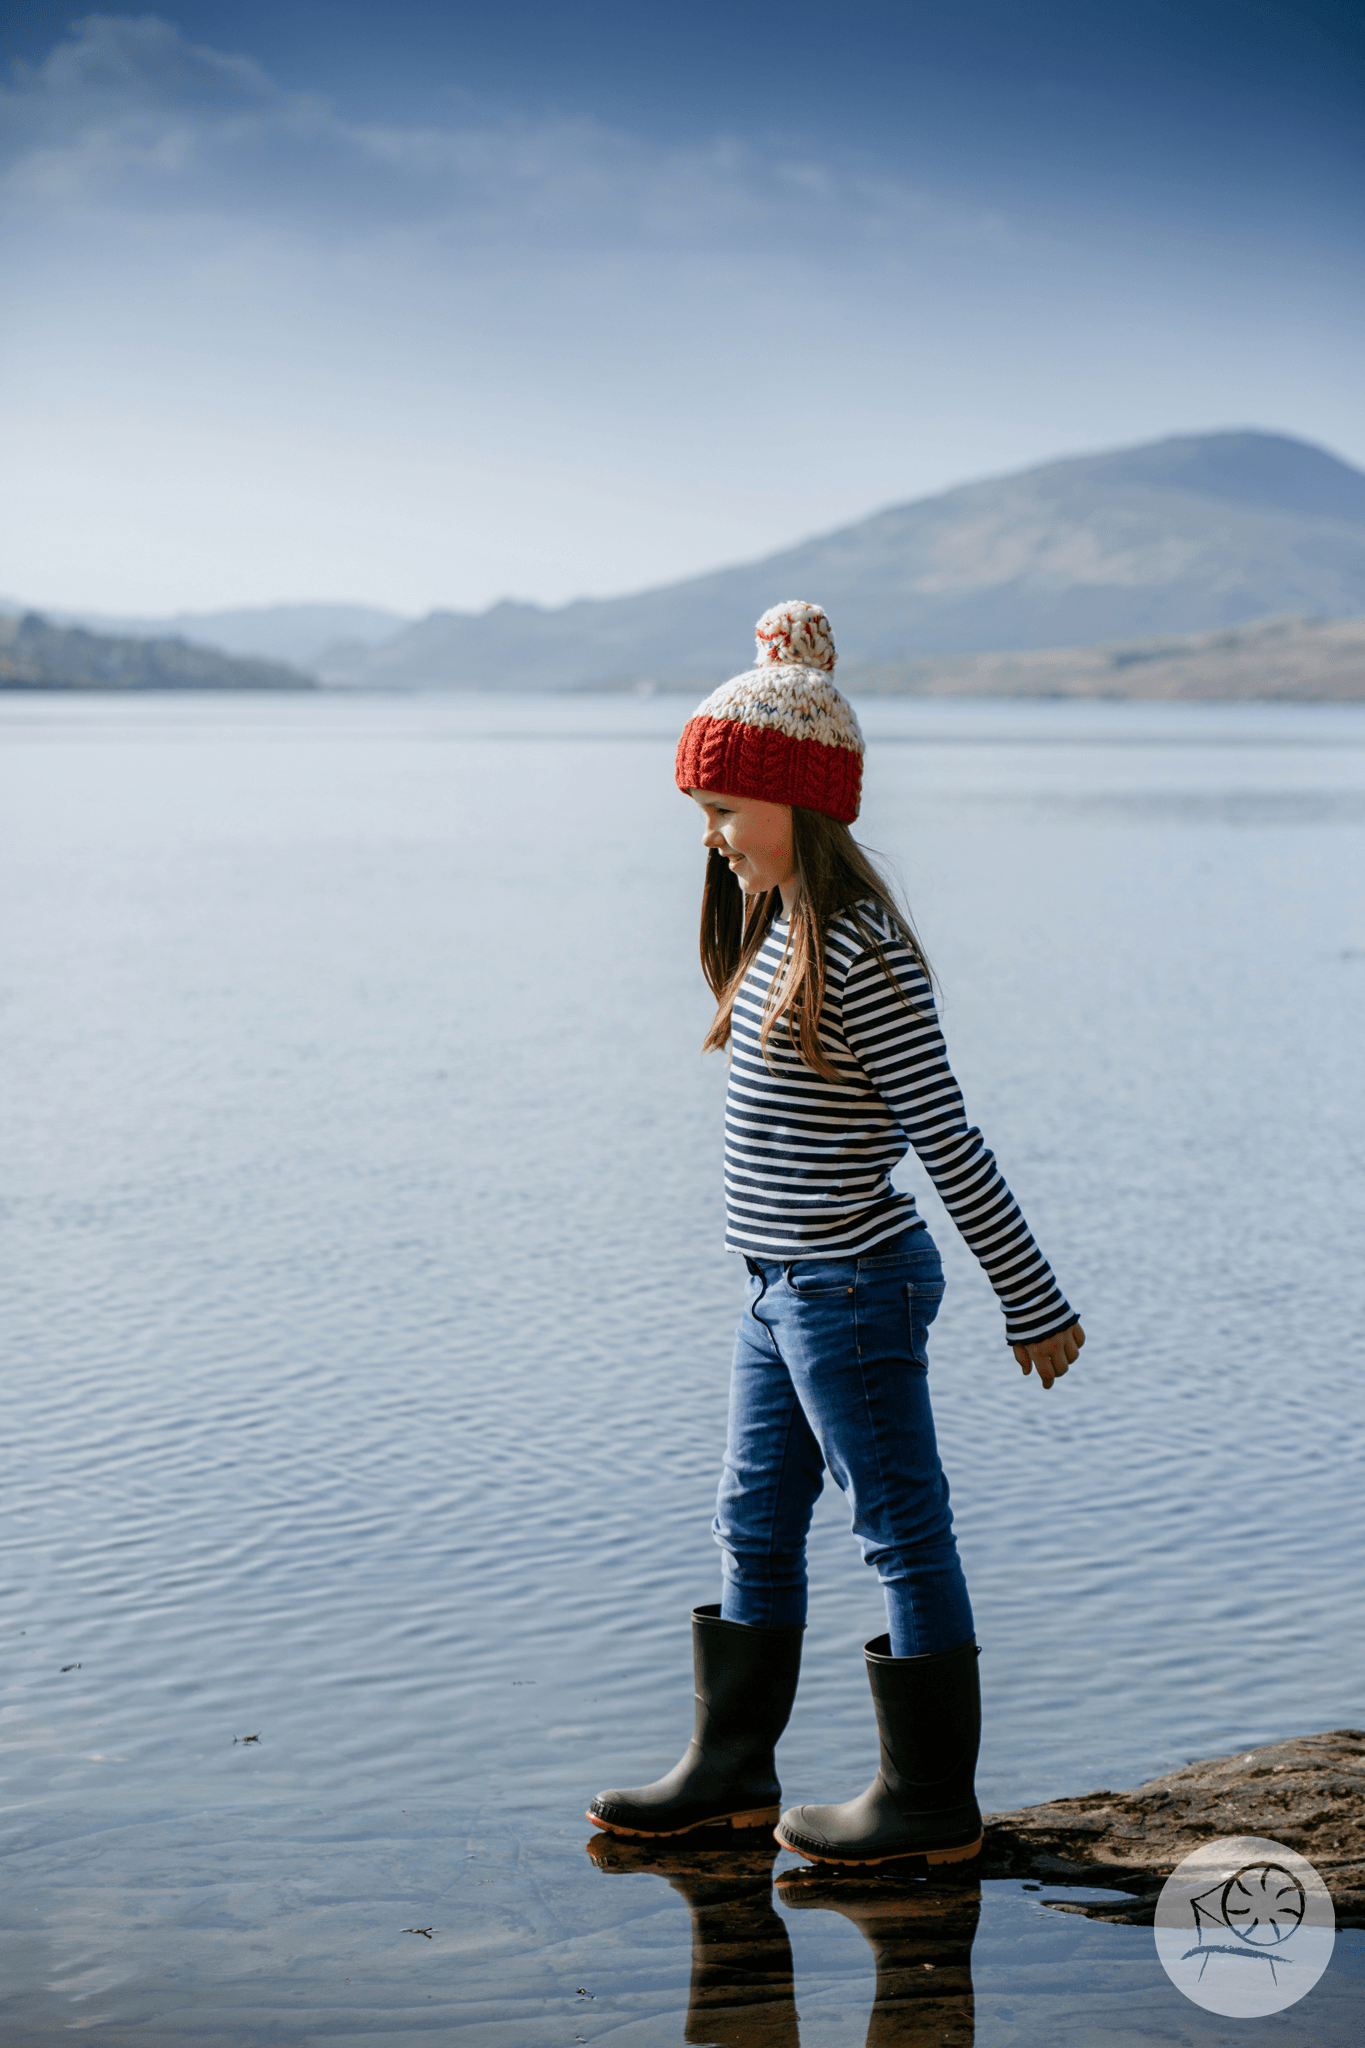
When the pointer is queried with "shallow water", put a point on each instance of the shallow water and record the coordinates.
(367, 1329)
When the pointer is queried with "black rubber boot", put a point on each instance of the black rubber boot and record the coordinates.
(745, 1685)
(921, 1802)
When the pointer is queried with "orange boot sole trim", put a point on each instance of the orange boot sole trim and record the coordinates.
(961, 1855)
(750, 1817)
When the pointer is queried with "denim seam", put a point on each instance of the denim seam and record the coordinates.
(884, 1503)
(755, 1317)
(795, 1410)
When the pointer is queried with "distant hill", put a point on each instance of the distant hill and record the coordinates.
(36, 655)
(1278, 660)
(294, 633)
(1176, 537)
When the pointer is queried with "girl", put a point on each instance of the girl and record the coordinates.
(837, 1063)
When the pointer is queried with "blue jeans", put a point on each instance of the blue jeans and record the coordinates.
(831, 1369)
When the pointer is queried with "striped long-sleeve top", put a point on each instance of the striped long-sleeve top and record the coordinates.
(808, 1161)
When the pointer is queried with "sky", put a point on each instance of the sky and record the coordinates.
(429, 305)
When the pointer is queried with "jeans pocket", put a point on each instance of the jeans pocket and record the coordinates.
(922, 1299)
(810, 1279)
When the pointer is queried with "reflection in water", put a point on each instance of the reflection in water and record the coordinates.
(742, 1993)
(921, 1935)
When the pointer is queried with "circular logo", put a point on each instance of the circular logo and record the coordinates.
(1244, 1927)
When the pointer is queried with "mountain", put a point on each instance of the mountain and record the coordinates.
(1175, 537)
(35, 655)
(1279, 660)
(293, 633)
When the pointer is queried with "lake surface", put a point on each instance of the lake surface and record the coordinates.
(366, 1333)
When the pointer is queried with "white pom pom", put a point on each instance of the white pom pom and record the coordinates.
(796, 631)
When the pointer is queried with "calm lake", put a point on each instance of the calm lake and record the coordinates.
(366, 1332)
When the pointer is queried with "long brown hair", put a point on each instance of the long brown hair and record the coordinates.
(834, 875)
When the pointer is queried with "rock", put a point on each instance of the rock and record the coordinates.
(1308, 1793)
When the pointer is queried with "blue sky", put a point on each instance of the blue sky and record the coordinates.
(428, 305)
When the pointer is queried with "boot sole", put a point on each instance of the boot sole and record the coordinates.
(749, 1817)
(960, 1855)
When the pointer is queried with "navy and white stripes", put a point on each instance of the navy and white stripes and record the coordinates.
(808, 1161)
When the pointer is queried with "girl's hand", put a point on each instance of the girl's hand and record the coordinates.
(1053, 1355)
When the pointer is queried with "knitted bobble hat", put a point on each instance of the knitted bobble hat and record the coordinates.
(781, 731)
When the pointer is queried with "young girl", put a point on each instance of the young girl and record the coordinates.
(837, 1063)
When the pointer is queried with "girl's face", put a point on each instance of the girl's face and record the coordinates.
(756, 839)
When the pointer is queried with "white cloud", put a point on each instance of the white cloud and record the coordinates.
(126, 116)
(111, 59)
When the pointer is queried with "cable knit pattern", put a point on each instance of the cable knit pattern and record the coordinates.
(780, 731)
